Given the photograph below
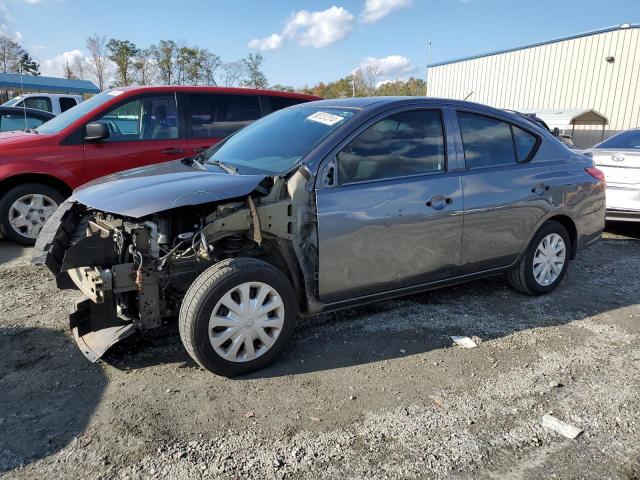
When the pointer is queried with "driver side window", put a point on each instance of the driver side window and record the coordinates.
(401, 145)
(146, 118)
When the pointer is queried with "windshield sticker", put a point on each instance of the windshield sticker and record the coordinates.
(115, 93)
(325, 117)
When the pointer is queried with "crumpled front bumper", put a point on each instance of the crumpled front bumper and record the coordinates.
(74, 259)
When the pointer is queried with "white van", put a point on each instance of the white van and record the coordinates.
(49, 102)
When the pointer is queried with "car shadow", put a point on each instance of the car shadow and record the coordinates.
(486, 309)
(626, 229)
(39, 416)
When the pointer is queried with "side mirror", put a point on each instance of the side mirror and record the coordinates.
(96, 131)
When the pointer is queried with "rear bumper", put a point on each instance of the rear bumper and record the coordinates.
(589, 228)
(619, 215)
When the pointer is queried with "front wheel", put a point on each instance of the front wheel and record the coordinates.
(238, 316)
(545, 261)
(25, 209)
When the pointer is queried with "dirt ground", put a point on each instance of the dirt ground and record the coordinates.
(373, 392)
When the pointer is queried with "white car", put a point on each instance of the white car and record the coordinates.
(49, 102)
(619, 158)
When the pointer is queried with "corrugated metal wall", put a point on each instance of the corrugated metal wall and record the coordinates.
(570, 73)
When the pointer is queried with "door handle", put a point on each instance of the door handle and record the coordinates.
(438, 202)
(171, 151)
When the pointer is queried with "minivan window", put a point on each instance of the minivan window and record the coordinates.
(408, 143)
(218, 116)
(62, 121)
(39, 103)
(487, 141)
(278, 103)
(66, 103)
(277, 142)
(145, 118)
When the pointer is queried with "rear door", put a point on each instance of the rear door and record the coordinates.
(392, 215)
(506, 189)
(210, 117)
(143, 130)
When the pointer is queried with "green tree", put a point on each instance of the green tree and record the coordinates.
(209, 63)
(145, 67)
(165, 54)
(253, 67)
(28, 65)
(123, 54)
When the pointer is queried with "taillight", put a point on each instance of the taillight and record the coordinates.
(597, 174)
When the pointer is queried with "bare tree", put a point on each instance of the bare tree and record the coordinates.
(232, 73)
(370, 75)
(97, 47)
(68, 72)
(10, 55)
(79, 67)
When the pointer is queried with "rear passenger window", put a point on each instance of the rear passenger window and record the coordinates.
(525, 143)
(66, 103)
(409, 143)
(217, 116)
(278, 103)
(487, 141)
(39, 103)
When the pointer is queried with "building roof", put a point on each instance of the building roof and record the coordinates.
(51, 84)
(568, 117)
(624, 26)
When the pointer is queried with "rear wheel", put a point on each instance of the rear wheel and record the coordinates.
(545, 261)
(238, 316)
(25, 209)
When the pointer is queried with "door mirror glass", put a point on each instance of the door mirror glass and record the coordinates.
(96, 131)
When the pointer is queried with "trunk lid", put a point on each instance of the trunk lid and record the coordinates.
(621, 167)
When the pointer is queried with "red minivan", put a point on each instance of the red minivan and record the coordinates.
(116, 130)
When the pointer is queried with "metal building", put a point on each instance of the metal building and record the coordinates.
(598, 70)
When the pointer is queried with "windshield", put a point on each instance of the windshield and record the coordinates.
(280, 140)
(65, 119)
(628, 139)
(12, 102)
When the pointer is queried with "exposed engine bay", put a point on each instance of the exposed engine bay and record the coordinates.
(134, 272)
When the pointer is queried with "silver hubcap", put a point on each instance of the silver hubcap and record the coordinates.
(246, 322)
(29, 213)
(549, 259)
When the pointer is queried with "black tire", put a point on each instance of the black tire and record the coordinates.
(521, 277)
(202, 297)
(15, 193)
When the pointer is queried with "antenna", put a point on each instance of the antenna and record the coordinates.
(24, 107)
(426, 83)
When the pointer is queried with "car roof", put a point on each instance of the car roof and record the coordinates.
(30, 111)
(206, 89)
(367, 102)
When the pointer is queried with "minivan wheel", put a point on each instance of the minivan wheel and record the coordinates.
(238, 316)
(25, 209)
(545, 261)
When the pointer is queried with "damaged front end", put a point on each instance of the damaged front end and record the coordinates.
(134, 272)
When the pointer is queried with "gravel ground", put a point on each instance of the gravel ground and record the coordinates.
(373, 392)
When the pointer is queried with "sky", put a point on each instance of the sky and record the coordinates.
(304, 42)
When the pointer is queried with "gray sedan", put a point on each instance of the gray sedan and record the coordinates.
(318, 207)
(619, 158)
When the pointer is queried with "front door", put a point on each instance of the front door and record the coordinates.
(506, 190)
(394, 216)
(142, 131)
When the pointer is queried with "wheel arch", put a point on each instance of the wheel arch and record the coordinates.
(8, 183)
(572, 230)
